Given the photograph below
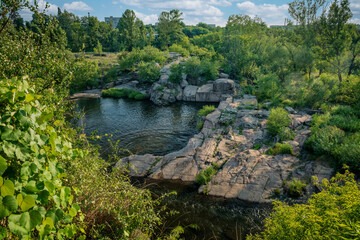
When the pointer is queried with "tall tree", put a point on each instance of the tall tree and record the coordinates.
(334, 35)
(129, 27)
(170, 28)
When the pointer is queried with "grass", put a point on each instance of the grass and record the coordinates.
(206, 110)
(200, 125)
(205, 175)
(280, 148)
(257, 146)
(123, 93)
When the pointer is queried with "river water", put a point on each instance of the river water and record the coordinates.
(143, 127)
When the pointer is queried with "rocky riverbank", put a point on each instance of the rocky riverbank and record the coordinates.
(228, 139)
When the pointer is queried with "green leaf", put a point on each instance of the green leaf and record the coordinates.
(3, 165)
(72, 212)
(29, 97)
(50, 186)
(9, 149)
(3, 232)
(49, 221)
(35, 218)
(27, 203)
(25, 221)
(4, 212)
(14, 225)
(31, 186)
(10, 203)
(43, 196)
(7, 188)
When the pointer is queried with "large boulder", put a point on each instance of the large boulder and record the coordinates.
(205, 93)
(224, 86)
(190, 93)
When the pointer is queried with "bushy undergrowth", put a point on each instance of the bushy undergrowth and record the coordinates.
(332, 213)
(149, 72)
(176, 71)
(206, 110)
(337, 135)
(123, 93)
(277, 124)
(179, 49)
(295, 188)
(205, 175)
(86, 74)
(129, 60)
(280, 148)
(205, 69)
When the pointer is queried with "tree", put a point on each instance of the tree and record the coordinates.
(334, 35)
(170, 28)
(131, 29)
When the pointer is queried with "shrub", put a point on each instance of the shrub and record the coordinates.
(325, 140)
(257, 146)
(268, 88)
(176, 71)
(85, 74)
(179, 49)
(192, 68)
(280, 148)
(348, 122)
(205, 175)
(123, 93)
(202, 53)
(286, 134)
(129, 60)
(331, 214)
(278, 120)
(208, 69)
(348, 152)
(149, 72)
(206, 110)
(296, 188)
(200, 125)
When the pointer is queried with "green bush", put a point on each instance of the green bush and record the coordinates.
(205, 175)
(280, 148)
(332, 213)
(149, 72)
(209, 69)
(348, 152)
(277, 122)
(206, 110)
(176, 71)
(325, 140)
(286, 134)
(85, 74)
(200, 125)
(129, 60)
(348, 123)
(179, 49)
(257, 146)
(123, 93)
(205, 69)
(192, 68)
(296, 188)
(268, 88)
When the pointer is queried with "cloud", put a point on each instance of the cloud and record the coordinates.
(77, 6)
(147, 19)
(42, 4)
(270, 13)
(355, 9)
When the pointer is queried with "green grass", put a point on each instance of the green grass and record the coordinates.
(280, 148)
(200, 125)
(257, 146)
(205, 175)
(206, 110)
(123, 93)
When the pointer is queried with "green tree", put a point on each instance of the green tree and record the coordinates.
(131, 30)
(170, 28)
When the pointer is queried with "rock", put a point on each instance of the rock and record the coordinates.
(162, 94)
(138, 165)
(163, 79)
(267, 105)
(249, 122)
(109, 85)
(190, 93)
(224, 86)
(205, 94)
(223, 75)
(184, 83)
(289, 109)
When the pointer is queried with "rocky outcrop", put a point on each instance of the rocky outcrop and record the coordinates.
(228, 139)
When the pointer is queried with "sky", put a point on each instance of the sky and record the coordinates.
(272, 12)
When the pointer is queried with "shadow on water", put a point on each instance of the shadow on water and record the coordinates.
(143, 127)
(215, 217)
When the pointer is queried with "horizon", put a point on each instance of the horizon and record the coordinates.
(208, 11)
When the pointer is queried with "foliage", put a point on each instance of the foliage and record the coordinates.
(331, 214)
(123, 93)
(179, 49)
(278, 121)
(34, 200)
(280, 148)
(129, 61)
(200, 69)
(200, 125)
(149, 72)
(176, 71)
(85, 74)
(295, 188)
(257, 146)
(169, 28)
(205, 175)
(206, 110)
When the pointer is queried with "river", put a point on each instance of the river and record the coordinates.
(143, 127)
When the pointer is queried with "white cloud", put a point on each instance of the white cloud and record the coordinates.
(355, 9)
(147, 19)
(42, 4)
(77, 6)
(270, 13)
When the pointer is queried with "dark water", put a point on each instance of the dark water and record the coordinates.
(143, 128)
(140, 126)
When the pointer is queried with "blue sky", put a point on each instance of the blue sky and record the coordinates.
(194, 11)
